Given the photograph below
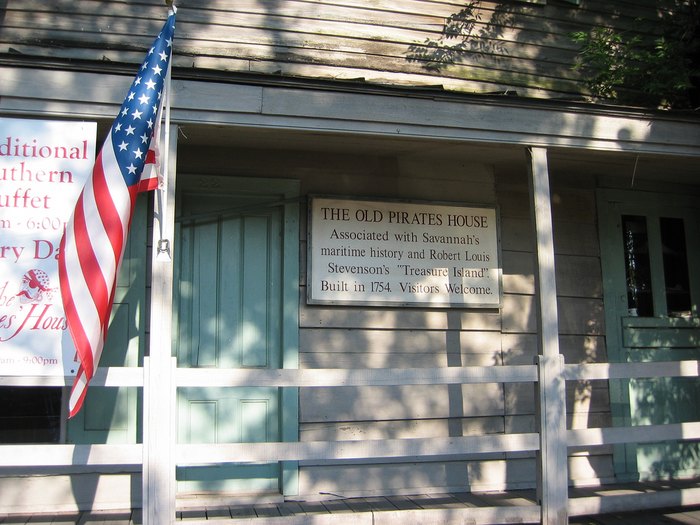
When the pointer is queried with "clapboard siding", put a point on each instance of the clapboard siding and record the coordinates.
(517, 24)
(512, 46)
(526, 48)
(581, 321)
(488, 474)
(403, 428)
(333, 317)
(398, 349)
(352, 337)
(400, 402)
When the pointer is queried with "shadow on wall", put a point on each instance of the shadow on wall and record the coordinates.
(461, 36)
(357, 338)
(661, 401)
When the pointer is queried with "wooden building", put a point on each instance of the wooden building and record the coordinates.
(227, 379)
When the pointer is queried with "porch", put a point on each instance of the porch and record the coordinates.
(160, 453)
(514, 506)
(517, 506)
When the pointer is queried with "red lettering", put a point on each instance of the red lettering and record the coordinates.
(36, 320)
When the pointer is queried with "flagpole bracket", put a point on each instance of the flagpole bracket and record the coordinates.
(163, 250)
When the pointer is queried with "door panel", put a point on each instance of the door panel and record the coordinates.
(229, 300)
(229, 293)
(228, 415)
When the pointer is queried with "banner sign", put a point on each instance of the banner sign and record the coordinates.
(390, 253)
(43, 167)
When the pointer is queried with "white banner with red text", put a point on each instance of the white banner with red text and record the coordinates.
(43, 167)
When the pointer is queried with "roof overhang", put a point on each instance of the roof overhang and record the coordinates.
(330, 117)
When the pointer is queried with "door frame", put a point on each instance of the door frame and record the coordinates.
(612, 204)
(285, 194)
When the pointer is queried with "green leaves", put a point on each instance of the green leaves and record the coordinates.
(656, 67)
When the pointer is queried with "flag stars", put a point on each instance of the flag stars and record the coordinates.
(139, 113)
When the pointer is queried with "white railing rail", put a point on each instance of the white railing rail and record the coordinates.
(111, 377)
(336, 377)
(634, 434)
(17, 456)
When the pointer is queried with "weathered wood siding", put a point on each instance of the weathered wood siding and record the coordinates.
(393, 337)
(514, 47)
(580, 300)
(522, 48)
(363, 337)
(376, 337)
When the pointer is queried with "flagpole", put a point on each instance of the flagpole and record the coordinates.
(163, 246)
(159, 483)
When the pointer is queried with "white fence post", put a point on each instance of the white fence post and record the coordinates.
(551, 401)
(552, 472)
(158, 484)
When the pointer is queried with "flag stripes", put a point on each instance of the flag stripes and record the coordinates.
(94, 240)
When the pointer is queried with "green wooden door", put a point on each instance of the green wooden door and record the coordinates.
(231, 305)
(650, 250)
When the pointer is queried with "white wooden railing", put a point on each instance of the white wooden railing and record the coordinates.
(415, 447)
(160, 378)
(186, 454)
(635, 434)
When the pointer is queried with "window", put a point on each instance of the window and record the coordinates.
(640, 253)
(30, 414)
(637, 266)
(675, 257)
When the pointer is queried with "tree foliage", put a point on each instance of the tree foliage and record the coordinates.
(658, 66)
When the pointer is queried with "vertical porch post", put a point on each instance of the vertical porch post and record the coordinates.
(158, 484)
(551, 403)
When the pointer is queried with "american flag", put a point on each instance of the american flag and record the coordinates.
(93, 243)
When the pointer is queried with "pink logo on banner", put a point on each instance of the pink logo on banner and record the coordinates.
(35, 287)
